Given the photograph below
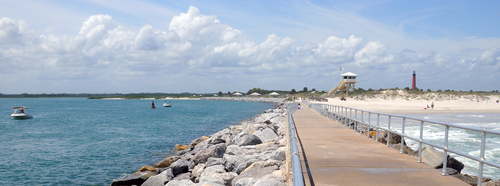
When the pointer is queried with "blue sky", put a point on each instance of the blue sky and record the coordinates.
(132, 46)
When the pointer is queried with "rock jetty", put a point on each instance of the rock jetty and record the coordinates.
(251, 153)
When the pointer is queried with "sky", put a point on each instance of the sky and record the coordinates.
(205, 46)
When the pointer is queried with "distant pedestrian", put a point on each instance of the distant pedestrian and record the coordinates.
(432, 105)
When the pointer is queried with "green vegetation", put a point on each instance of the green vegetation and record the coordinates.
(263, 92)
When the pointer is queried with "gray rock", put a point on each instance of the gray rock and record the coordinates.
(233, 150)
(214, 161)
(434, 158)
(269, 182)
(217, 174)
(213, 151)
(197, 170)
(160, 179)
(220, 137)
(242, 166)
(200, 146)
(255, 173)
(179, 183)
(269, 116)
(183, 176)
(266, 135)
(279, 154)
(259, 119)
(275, 179)
(231, 162)
(245, 182)
(180, 166)
(196, 142)
(382, 137)
(247, 140)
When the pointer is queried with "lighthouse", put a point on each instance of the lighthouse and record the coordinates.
(414, 82)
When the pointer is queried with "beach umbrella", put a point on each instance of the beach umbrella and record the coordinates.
(255, 94)
(237, 94)
(274, 94)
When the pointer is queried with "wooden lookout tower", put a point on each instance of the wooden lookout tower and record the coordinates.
(348, 82)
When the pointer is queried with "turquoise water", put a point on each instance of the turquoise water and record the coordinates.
(77, 141)
(465, 141)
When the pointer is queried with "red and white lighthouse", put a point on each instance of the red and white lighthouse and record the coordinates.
(414, 82)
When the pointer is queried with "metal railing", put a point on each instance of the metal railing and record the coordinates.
(349, 117)
(297, 177)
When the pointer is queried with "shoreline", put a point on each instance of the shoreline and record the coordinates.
(404, 106)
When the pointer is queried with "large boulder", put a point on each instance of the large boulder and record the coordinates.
(395, 139)
(136, 179)
(269, 116)
(247, 140)
(183, 176)
(160, 179)
(255, 173)
(197, 170)
(279, 154)
(220, 137)
(231, 162)
(200, 146)
(196, 142)
(166, 162)
(271, 180)
(180, 166)
(434, 158)
(213, 151)
(266, 135)
(217, 174)
(214, 161)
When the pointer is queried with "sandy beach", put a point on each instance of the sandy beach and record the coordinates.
(397, 102)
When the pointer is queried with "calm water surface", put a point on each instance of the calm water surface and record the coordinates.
(77, 141)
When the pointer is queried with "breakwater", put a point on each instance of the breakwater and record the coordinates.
(251, 153)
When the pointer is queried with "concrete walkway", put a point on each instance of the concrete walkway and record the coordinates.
(333, 154)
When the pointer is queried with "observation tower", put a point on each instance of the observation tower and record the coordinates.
(348, 81)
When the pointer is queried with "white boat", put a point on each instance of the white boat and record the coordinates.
(167, 104)
(20, 113)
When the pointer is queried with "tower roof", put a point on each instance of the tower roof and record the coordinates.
(349, 74)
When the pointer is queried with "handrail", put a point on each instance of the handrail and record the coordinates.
(297, 177)
(341, 114)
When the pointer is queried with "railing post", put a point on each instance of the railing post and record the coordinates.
(378, 127)
(481, 158)
(368, 126)
(420, 141)
(355, 120)
(401, 151)
(388, 131)
(445, 150)
(361, 129)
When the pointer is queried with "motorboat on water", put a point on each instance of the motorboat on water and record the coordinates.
(167, 104)
(20, 113)
(153, 105)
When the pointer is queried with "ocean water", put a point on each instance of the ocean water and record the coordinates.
(77, 141)
(458, 139)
